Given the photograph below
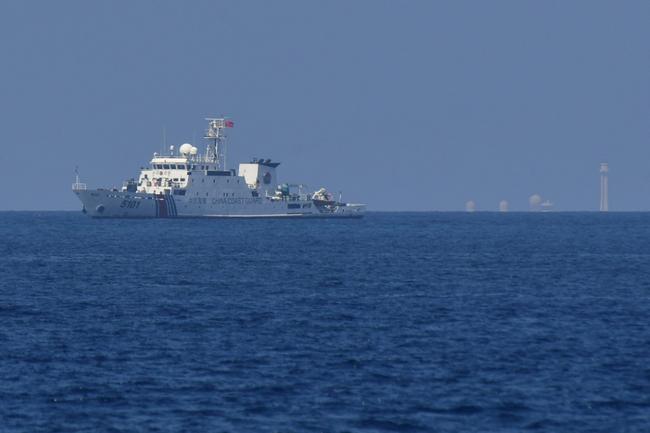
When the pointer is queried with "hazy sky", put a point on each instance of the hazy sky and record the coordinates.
(403, 105)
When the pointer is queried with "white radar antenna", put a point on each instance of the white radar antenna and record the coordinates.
(216, 136)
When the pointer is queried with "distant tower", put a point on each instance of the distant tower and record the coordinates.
(470, 206)
(604, 187)
(503, 206)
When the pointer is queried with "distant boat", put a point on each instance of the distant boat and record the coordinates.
(547, 206)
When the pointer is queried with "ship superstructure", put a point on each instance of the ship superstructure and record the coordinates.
(185, 183)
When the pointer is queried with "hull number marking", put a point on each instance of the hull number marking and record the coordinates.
(130, 204)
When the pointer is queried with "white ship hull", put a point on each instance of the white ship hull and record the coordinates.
(101, 203)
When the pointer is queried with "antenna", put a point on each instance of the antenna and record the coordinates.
(77, 186)
(164, 141)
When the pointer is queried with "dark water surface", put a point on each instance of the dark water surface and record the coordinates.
(438, 322)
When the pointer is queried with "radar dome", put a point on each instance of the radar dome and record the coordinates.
(194, 150)
(535, 200)
(185, 148)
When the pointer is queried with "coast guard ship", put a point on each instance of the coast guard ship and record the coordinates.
(186, 184)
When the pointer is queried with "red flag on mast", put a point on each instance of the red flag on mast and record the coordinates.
(229, 124)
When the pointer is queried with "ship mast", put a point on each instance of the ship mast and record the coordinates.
(216, 136)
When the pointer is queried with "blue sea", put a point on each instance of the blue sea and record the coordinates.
(398, 322)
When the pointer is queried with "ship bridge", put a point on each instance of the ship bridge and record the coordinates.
(167, 173)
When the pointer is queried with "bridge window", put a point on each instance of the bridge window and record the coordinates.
(166, 166)
(181, 167)
(173, 166)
